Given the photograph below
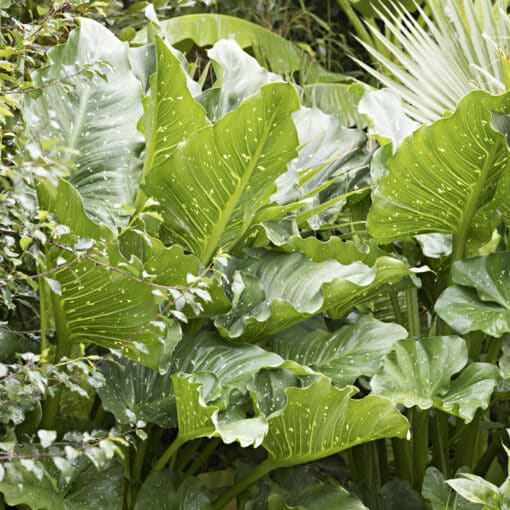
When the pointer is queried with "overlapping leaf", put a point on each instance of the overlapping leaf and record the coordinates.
(238, 76)
(444, 177)
(281, 55)
(94, 119)
(171, 114)
(211, 186)
(320, 420)
(206, 402)
(105, 297)
(332, 162)
(135, 393)
(419, 373)
(481, 300)
(343, 355)
(88, 488)
(273, 291)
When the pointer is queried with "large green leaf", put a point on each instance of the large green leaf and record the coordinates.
(272, 50)
(88, 488)
(440, 495)
(233, 364)
(95, 119)
(206, 402)
(238, 76)
(443, 178)
(133, 392)
(273, 291)
(202, 412)
(343, 355)
(387, 119)
(481, 300)
(320, 420)
(210, 187)
(419, 373)
(477, 490)
(332, 161)
(171, 114)
(108, 298)
(339, 99)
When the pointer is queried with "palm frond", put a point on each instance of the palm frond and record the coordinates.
(459, 46)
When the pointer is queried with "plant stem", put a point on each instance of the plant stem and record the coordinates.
(186, 453)
(475, 343)
(168, 454)
(43, 313)
(375, 468)
(139, 458)
(413, 312)
(402, 455)
(397, 311)
(420, 428)
(485, 461)
(383, 460)
(261, 470)
(64, 345)
(203, 456)
(494, 348)
(439, 438)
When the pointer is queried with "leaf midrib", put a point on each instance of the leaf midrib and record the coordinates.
(219, 227)
(460, 238)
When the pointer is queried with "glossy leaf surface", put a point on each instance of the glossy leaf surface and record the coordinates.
(94, 119)
(419, 373)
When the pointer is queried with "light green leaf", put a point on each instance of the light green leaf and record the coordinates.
(443, 175)
(211, 186)
(159, 491)
(273, 291)
(171, 114)
(321, 420)
(202, 412)
(271, 50)
(343, 355)
(387, 119)
(88, 488)
(133, 393)
(105, 298)
(332, 161)
(436, 490)
(435, 245)
(477, 490)
(339, 99)
(238, 76)
(419, 373)
(233, 364)
(95, 119)
(481, 300)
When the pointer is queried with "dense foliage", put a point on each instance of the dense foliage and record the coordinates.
(235, 274)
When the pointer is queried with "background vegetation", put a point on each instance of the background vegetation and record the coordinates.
(254, 262)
